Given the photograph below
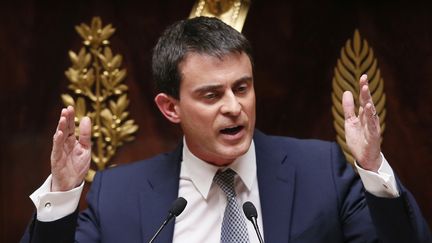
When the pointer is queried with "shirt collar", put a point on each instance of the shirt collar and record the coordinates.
(201, 173)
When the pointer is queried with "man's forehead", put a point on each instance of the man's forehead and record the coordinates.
(209, 66)
(216, 55)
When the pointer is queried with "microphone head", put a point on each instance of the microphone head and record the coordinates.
(249, 210)
(178, 206)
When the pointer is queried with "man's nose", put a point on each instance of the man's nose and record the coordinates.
(231, 105)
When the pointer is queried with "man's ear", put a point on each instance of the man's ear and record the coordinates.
(168, 106)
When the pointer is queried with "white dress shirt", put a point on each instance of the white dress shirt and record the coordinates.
(202, 218)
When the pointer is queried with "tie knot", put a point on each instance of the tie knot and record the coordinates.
(225, 180)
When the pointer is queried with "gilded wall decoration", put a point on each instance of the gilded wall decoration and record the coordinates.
(232, 12)
(356, 58)
(97, 91)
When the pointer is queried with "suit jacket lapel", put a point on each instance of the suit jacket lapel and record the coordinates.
(160, 191)
(276, 181)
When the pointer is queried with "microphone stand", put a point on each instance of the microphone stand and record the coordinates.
(255, 224)
(170, 216)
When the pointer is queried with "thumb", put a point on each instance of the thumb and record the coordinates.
(85, 132)
(348, 105)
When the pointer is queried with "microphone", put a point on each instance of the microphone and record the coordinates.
(251, 214)
(176, 209)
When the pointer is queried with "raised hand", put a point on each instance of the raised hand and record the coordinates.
(70, 157)
(362, 132)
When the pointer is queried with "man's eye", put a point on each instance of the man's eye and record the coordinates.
(241, 89)
(210, 95)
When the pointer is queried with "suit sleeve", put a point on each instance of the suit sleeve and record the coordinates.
(61, 230)
(367, 218)
(76, 227)
(398, 219)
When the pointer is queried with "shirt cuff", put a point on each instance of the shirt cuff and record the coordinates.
(51, 206)
(381, 184)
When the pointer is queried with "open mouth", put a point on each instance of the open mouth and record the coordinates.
(232, 130)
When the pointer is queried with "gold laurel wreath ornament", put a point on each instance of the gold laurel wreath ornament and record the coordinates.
(232, 12)
(96, 81)
(356, 58)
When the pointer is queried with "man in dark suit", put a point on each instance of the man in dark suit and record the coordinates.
(304, 190)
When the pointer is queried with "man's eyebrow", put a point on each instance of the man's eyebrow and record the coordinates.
(206, 88)
(212, 87)
(243, 79)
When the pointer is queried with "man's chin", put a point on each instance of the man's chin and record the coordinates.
(231, 152)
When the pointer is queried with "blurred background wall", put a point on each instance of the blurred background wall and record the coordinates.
(296, 46)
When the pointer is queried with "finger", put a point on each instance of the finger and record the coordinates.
(85, 132)
(361, 115)
(71, 121)
(348, 105)
(364, 90)
(365, 96)
(63, 113)
(59, 140)
(372, 121)
(63, 121)
(363, 80)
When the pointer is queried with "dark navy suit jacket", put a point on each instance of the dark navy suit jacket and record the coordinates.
(308, 193)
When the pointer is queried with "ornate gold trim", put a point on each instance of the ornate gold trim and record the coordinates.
(96, 80)
(232, 12)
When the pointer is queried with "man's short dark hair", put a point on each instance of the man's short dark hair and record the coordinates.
(201, 35)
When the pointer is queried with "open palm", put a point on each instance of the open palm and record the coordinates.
(70, 157)
(362, 132)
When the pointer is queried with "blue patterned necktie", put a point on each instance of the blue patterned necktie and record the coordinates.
(234, 229)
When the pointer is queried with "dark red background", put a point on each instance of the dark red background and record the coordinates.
(296, 45)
